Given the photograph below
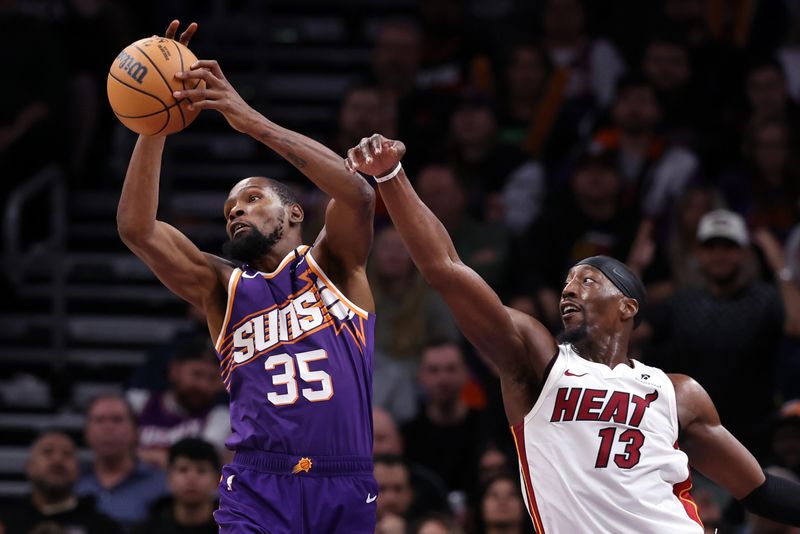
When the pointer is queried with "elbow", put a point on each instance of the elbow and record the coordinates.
(365, 197)
(129, 232)
(438, 274)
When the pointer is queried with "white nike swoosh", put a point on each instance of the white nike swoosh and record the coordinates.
(230, 482)
(370, 498)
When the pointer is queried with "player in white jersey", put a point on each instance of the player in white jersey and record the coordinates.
(597, 432)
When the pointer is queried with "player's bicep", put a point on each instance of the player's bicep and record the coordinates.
(501, 334)
(178, 264)
(711, 448)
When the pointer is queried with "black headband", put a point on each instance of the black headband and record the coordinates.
(622, 277)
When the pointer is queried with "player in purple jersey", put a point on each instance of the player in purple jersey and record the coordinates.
(293, 324)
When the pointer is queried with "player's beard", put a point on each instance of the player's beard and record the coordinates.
(574, 335)
(253, 245)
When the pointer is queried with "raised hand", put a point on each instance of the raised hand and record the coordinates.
(375, 155)
(218, 94)
(186, 36)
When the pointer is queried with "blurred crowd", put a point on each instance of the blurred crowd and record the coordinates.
(664, 134)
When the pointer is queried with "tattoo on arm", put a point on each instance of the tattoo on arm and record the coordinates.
(296, 160)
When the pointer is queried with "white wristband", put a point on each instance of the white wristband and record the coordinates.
(389, 176)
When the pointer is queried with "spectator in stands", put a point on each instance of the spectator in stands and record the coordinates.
(482, 246)
(654, 173)
(422, 114)
(188, 409)
(123, 486)
(490, 169)
(727, 332)
(446, 435)
(409, 315)
(767, 92)
(393, 387)
(362, 113)
(593, 65)
(395, 494)
(667, 65)
(766, 190)
(193, 474)
(502, 510)
(52, 470)
(430, 492)
(524, 103)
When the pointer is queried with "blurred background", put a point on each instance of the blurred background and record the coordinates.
(663, 133)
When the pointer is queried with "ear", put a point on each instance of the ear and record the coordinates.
(628, 308)
(296, 214)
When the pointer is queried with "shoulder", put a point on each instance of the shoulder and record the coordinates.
(693, 402)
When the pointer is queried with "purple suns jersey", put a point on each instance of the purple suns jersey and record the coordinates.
(296, 358)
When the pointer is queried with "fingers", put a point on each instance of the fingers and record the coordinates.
(354, 159)
(198, 95)
(365, 149)
(172, 29)
(188, 33)
(201, 74)
(211, 65)
(376, 144)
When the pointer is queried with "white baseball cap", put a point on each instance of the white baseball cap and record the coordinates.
(723, 224)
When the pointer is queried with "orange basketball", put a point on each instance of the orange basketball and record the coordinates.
(140, 85)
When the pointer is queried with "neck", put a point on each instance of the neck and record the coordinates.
(270, 261)
(447, 413)
(49, 504)
(112, 469)
(193, 514)
(610, 350)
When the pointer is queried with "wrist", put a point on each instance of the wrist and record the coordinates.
(258, 126)
(388, 175)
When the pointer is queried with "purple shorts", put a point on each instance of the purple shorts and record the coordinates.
(269, 493)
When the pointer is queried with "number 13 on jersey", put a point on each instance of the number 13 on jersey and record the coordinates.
(288, 378)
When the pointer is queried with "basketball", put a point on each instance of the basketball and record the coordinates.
(140, 85)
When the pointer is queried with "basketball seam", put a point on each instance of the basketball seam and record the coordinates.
(180, 56)
(166, 108)
(169, 87)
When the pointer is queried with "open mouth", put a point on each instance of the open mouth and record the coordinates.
(238, 228)
(568, 309)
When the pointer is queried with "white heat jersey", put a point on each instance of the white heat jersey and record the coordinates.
(598, 452)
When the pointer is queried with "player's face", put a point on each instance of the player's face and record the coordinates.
(502, 505)
(110, 431)
(255, 219)
(192, 482)
(588, 301)
(53, 465)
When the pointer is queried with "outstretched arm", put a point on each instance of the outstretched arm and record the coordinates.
(713, 451)
(514, 342)
(189, 273)
(348, 222)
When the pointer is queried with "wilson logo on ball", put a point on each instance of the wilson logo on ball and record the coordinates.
(135, 70)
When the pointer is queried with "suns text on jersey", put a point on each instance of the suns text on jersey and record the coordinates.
(284, 323)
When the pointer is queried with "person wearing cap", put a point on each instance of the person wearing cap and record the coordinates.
(596, 430)
(727, 332)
